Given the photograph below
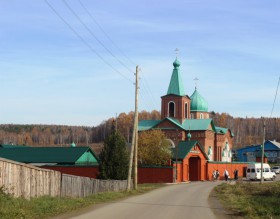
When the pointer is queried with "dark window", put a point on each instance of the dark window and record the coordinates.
(186, 110)
(171, 108)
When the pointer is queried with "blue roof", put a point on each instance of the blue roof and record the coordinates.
(268, 145)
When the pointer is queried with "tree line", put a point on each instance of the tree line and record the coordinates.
(247, 131)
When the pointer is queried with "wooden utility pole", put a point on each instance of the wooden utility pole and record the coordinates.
(136, 132)
(263, 151)
(134, 141)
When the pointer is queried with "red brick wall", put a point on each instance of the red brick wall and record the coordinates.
(87, 171)
(155, 175)
(241, 167)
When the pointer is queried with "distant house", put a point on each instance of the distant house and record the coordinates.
(40, 156)
(251, 153)
(80, 161)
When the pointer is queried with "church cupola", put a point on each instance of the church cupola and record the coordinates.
(176, 85)
(175, 104)
(199, 106)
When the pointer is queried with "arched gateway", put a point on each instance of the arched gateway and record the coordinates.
(190, 159)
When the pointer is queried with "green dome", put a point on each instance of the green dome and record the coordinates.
(189, 136)
(198, 103)
(176, 63)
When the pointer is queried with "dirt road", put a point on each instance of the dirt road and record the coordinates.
(173, 201)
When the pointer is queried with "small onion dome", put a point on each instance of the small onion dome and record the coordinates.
(73, 144)
(189, 136)
(226, 145)
(176, 63)
(198, 103)
(210, 152)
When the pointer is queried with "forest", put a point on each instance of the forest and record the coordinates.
(247, 131)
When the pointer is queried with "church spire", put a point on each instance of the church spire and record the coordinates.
(176, 85)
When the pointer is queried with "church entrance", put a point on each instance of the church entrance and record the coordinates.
(194, 169)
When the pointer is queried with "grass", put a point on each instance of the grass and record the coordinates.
(251, 200)
(45, 207)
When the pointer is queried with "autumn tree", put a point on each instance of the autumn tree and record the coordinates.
(153, 148)
(114, 158)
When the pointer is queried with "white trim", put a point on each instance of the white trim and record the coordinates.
(171, 142)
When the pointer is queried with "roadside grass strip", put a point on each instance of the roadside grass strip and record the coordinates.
(251, 200)
(45, 207)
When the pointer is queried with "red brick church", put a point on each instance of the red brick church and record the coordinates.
(185, 121)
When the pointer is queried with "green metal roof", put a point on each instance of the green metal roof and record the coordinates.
(58, 155)
(198, 103)
(188, 124)
(144, 125)
(184, 147)
(198, 124)
(176, 85)
(221, 130)
(12, 146)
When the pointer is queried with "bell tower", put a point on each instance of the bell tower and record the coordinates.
(175, 104)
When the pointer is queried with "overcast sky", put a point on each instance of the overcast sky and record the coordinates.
(73, 63)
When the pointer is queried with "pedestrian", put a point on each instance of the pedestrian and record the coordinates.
(214, 175)
(235, 174)
(226, 174)
(217, 174)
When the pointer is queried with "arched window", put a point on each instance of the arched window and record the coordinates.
(186, 110)
(201, 115)
(171, 109)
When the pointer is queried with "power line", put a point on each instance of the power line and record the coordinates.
(85, 42)
(91, 48)
(144, 93)
(104, 32)
(149, 90)
(95, 37)
(110, 39)
(275, 97)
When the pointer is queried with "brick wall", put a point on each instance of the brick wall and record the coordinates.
(221, 166)
(87, 171)
(155, 175)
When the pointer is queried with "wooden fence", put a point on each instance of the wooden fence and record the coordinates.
(24, 180)
(75, 186)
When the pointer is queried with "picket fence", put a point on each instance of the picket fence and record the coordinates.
(28, 181)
